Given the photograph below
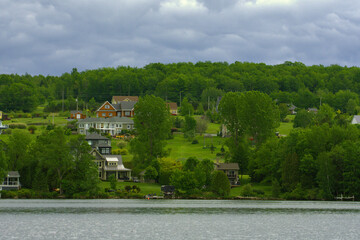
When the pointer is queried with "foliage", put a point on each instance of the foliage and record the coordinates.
(303, 118)
(112, 181)
(220, 184)
(201, 125)
(189, 127)
(186, 108)
(151, 173)
(152, 123)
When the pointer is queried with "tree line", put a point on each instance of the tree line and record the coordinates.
(201, 82)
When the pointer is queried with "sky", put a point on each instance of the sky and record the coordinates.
(52, 37)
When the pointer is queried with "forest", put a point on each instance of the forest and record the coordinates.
(202, 82)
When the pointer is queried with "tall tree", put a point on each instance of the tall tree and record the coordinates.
(152, 123)
(53, 153)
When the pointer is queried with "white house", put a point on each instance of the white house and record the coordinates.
(113, 126)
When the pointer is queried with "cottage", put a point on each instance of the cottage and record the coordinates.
(77, 115)
(113, 126)
(173, 108)
(231, 170)
(11, 181)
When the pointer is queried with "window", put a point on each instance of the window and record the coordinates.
(103, 114)
(100, 175)
(128, 127)
(127, 113)
(107, 106)
(110, 114)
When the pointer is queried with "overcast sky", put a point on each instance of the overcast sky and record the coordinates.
(52, 37)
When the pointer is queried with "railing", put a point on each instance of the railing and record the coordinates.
(10, 183)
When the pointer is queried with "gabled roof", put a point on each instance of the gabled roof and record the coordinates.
(95, 136)
(106, 102)
(227, 166)
(125, 98)
(172, 105)
(13, 174)
(96, 154)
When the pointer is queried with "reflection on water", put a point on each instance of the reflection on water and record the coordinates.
(178, 219)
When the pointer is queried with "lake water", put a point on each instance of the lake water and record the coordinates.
(178, 219)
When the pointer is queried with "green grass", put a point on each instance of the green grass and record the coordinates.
(48, 120)
(181, 149)
(146, 188)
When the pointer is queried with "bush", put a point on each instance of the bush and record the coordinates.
(247, 191)
(8, 194)
(120, 152)
(128, 188)
(195, 141)
(220, 184)
(32, 129)
(25, 193)
(17, 125)
(122, 144)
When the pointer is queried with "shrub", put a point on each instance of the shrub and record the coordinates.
(220, 184)
(136, 189)
(122, 144)
(247, 191)
(195, 141)
(25, 193)
(128, 188)
(17, 125)
(32, 129)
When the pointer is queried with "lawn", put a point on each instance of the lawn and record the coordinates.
(39, 121)
(181, 148)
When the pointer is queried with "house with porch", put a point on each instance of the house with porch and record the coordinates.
(118, 109)
(113, 126)
(110, 165)
(11, 181)
(231, 170)
(107, 164)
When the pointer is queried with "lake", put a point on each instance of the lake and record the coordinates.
(178, 219)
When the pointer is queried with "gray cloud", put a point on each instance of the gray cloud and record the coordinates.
(47, 37)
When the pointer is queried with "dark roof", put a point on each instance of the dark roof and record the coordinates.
(95, 136)
(107, 120)
(127, 105)
(13, 174)
(74, 111)
(227, 166)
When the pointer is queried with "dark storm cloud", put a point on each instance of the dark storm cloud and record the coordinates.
(52, 37)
